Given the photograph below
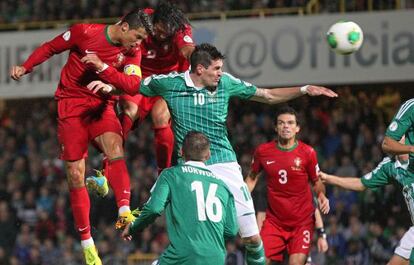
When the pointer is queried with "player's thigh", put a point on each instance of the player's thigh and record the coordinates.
(73, 139)
(405, 248)
(160, 114)
(230, 173)
(274, 239)
(130, 105)
(301, 240)
(107, 133)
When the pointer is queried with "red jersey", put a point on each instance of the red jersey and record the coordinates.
(288, 172)
(162, 58)
(80, 40)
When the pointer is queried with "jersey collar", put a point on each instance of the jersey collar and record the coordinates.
(196, 164)
(287, 149)
(189, 82)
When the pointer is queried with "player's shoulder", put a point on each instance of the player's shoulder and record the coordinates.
(407, 108)
(303, 147)
(86, 28)
(179, 77)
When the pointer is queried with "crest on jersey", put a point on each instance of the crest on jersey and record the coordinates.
(119, 60)
(297, 164)
(188, 39)
(393, 126)
(66, 35)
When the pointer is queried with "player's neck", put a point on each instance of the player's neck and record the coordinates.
(286, 145)
(196, 80)
(111, 34)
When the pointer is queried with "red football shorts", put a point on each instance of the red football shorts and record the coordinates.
(80, 121)
(276, 239)
(145, 104)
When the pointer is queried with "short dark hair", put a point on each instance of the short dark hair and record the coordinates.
(170, 16)
(195, 146)
(137, 19)
(203, 54)
(287, 110)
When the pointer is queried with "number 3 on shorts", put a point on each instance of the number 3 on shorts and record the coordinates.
(246, 193)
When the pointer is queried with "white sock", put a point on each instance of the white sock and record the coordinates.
(123, 209)
(87, 243)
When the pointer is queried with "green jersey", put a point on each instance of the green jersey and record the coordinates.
(199, 109)
(389, 171)
(403, 124)
(200, 214)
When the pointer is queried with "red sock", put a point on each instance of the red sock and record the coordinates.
(164, 144)
(117, 174)
(80, 204)
(127, 124)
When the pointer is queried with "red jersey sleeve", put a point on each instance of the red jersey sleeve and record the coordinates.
(184, 37)
(129, 80)
(256, 166)
(312, 165)
(62, 42)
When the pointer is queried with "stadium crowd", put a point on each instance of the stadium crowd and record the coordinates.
(36, 225)
(41, 10)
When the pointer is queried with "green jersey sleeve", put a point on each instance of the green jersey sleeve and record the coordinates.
(381, 175)
(160, 196)
(231, 226)
(402, 121)
(152, 86)
(237, 87)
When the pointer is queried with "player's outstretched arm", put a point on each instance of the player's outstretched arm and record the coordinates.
(394, 147)
(279, 95)
(349, 183)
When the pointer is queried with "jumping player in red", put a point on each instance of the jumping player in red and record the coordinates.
(289, 165)
(96, 52)
(168, 50)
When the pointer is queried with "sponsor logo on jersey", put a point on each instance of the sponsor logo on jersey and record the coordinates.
(393, 126)
(66, 35)
(132, 69)
(270, 162)
(297, 164)
(87, 51)
(188, 39)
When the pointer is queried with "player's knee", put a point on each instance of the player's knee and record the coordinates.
(75, 176)
(252, 240)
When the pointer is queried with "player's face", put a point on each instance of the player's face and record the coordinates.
(211, 76)
(133, 37)
(286, 126)
(160, 32)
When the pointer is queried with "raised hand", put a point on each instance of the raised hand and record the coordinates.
(17, 71)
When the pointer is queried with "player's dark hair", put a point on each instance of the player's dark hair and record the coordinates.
(203, 54)
(137, 19)
(170, 16)
(287, 110)
(195, 146)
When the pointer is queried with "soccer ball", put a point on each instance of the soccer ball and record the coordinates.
(345, 37)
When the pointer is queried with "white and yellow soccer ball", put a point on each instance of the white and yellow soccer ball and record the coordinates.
(345, 37)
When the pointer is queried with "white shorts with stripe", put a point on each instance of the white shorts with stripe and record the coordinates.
(230, 173)
(406, 245)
